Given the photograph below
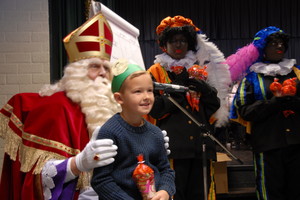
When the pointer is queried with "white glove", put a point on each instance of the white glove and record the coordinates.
(166, 138)
(95, 133)
(96, 153)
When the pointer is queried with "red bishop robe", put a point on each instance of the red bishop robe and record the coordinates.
(35, 130)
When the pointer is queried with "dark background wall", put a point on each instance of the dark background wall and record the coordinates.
(230, 24)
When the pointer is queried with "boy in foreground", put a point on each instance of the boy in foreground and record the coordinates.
(133, 90)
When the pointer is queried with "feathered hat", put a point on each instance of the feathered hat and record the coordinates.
(207, 53)
(93, 39)
(177, 21)
(240, 62)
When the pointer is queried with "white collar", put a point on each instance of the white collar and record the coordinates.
(271, 69)
(166, 61)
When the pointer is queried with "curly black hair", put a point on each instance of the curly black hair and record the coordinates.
(188, 31)
(279, 35)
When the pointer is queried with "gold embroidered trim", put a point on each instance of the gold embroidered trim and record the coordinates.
(8, 108)
(12, 140)
(13, 117)
(50, 143)
(84, 180)
(3, 125)
(16, 121)
(33, 138)
(29, 156)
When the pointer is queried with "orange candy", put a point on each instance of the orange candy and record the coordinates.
(275, 88)
(287, 88)
(198, 72)
(177, 69)
(291, 81)
(143, 176)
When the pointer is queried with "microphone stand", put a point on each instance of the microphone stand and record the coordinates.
(205, 134)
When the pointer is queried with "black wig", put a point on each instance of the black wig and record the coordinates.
(188, 31)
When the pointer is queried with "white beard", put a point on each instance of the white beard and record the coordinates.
(94, 96)
(96, 100)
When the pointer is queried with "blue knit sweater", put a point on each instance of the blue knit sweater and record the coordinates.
(115, 180)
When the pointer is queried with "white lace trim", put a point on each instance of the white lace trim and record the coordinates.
(166, 61)
(48, 172)
(271, 69)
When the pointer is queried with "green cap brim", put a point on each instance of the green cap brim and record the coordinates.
(118, 80)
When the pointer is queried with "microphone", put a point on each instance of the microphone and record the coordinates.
(169, 87)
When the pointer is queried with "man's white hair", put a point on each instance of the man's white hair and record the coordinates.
(94, 96)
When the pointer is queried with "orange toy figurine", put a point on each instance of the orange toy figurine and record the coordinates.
(143, 175)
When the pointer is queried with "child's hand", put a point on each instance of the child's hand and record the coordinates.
(161, 195)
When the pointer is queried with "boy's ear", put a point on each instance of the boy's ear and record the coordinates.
(118, 97)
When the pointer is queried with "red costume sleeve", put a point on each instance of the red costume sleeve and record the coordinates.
(35, 130)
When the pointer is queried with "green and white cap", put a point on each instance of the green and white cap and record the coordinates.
(121, 69)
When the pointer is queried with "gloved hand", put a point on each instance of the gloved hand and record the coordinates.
(180, 79)
(295, 103)
(95, 133)
(291, 103)
(166, 138)
(96, 153)
(280, 103)
(179, 97)
(199, 86)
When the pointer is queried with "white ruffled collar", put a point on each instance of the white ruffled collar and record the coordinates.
(167, 62)
(271, 69)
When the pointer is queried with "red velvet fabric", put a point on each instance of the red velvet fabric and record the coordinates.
(54, 124)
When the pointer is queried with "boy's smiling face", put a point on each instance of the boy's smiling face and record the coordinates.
(136, 94)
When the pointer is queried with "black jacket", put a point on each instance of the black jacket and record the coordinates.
(186, 136)
(270, 128)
